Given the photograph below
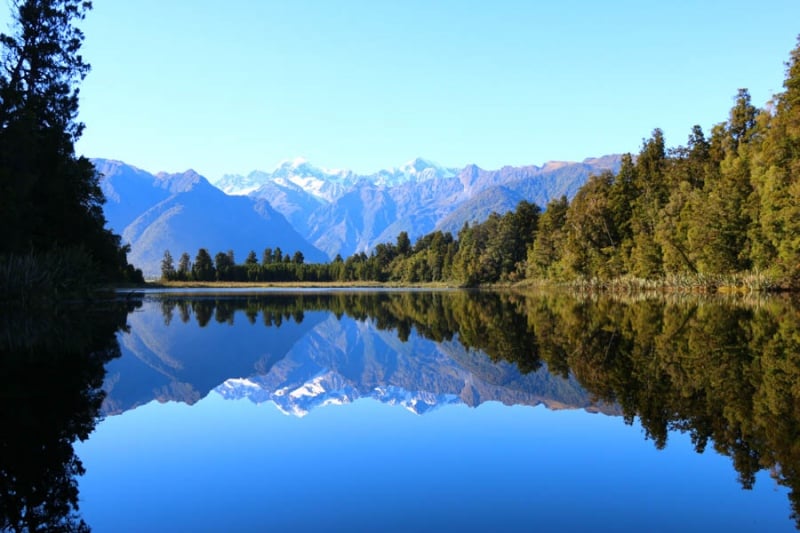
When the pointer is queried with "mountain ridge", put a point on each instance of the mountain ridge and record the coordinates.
(183, 212)
(322, 213)
(342, 212)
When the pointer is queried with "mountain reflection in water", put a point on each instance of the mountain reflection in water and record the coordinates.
(725, 371)
(308, 355)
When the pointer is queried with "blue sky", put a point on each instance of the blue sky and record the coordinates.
(241, 85)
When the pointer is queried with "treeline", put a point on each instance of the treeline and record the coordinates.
(273, 266)
(387, 262)
(724, 206)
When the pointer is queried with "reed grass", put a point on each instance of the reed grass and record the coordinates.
(34, 276)
(692, 283)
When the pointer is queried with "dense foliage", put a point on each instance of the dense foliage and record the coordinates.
(50, 199)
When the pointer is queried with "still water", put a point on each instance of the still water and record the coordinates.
(403, 411)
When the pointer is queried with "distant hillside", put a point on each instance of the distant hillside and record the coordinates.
(342, 213)
(320, 212)
(184, 212)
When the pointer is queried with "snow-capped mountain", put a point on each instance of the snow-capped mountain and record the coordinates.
(329, 212)
(184, 212)
(341, 212)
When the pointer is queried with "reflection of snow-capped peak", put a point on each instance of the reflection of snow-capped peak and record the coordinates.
(326, 388)
(236, 388)
(418, 403)
(329, 388)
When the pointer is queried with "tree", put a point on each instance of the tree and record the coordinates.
(591, 237)
(777, 181)
(742, 121)
(224, 265)
(203, 268)
(167, 266)
(546, 250)
(184, 267)
(298, 258)
(49, 196)
(251, 266)
(403, 243)
(645, 259)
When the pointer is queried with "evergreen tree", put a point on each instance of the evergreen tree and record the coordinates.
(184, 267)
(167, 266)
(545, 252)
(742, 121)
(203, 267)
(403, 243)
(224, 264)
(777, 181)
(592, 239)
(688, 169)
(251, 268)
(621, 199)
(646, 256)
(48, 195)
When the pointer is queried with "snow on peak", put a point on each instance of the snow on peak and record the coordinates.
(419, 165)
(327, 184)
(297, 162)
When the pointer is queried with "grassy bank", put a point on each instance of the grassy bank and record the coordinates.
(694, 283)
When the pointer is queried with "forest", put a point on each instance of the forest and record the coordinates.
(721, 210)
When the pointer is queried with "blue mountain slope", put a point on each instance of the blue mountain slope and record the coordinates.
(319, 212)
(188, 213)
(129, 192)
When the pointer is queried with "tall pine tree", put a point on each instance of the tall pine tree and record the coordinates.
(50, 197)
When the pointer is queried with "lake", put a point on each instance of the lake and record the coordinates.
(402, 410)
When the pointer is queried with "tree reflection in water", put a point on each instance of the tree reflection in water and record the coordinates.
(51, 373)
(725, 370)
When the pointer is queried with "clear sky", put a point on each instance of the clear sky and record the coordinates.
(229, 87)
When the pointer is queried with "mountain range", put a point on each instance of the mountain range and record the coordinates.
(306, 362)
(322, 213)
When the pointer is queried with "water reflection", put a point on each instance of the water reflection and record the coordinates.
(724, 371)
(51, 371)
(419, 350)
